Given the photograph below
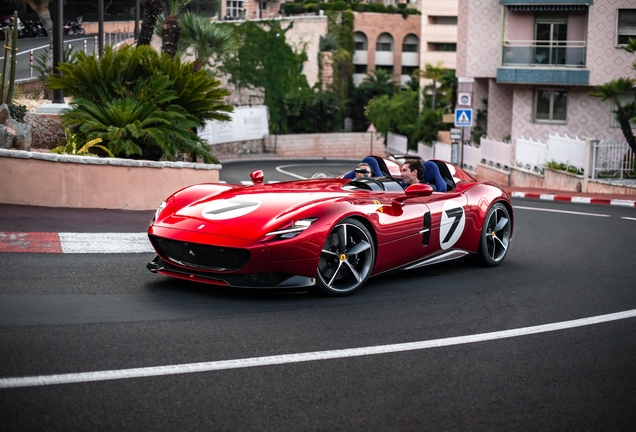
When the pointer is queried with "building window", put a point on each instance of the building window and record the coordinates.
(386, 68)
(626, 25)
(442, 20)
(411, 44)
(442, 47)
(408, 70)
(550, 105)
(360, 69)
(233, 9)
(360, 40)
(384, 42)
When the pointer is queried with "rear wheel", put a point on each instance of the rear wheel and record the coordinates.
(346, 259)
(495, 236)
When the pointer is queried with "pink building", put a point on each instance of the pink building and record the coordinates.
(536, 61)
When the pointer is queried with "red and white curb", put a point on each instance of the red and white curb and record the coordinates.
(56, 243)
(574, 199)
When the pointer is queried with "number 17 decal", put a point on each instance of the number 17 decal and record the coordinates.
(452, 224)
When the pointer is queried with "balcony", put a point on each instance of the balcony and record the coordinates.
(543, 62)
(545, 2)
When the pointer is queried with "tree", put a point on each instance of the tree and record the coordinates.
(376, 83)
(152, 9)
(207, 39)
(170, 29)
(613, 90)
(265, 61)
(434, 73)
(397, 113)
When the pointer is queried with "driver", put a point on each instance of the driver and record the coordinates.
(363, 170)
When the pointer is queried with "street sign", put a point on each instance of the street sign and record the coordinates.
(463, 117)
(371, 128)
(464, 98)
(455, 134)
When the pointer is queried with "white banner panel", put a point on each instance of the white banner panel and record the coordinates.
(248, 123)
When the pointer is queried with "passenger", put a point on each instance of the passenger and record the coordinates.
(412, 173)
(363, 170)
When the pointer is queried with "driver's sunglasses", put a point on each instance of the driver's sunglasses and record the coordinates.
(362, 170)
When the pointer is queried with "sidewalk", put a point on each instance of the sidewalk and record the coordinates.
(575, 197)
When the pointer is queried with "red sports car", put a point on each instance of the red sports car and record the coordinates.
(333, 233)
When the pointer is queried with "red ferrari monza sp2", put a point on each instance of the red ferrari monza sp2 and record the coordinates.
(330, 233)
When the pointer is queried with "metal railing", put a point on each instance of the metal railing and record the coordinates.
(544, 53)
(614, 160)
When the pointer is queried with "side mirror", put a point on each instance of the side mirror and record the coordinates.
(257, 177)
(418, 190)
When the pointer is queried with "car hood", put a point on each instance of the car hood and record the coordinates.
(250, 212)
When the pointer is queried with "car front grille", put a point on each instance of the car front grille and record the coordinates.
(201, 256)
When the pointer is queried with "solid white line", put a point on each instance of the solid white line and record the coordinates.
(303, 357)
(560, 211)
(628, 218)
(105, 243)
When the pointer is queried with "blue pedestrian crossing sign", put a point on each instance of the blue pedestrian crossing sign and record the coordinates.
(463, 117)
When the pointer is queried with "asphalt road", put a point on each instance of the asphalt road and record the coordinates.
(73, 313)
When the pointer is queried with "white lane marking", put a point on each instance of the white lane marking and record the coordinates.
(628, 218)
(71, 378)
(291, 174)
(560, 211)
(105, 243)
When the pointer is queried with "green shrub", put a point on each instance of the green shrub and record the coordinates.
(311, 2)
(310, 8)
(340, 6)
(140, 103)
(290, 8)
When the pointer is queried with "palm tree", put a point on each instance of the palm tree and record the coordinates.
(170, 29)
(434, 73)
(152, 9)
(381, 81)
(613, 90)
(207, 39)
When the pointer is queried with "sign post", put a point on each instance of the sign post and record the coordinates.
(463, 119)
(371, 130)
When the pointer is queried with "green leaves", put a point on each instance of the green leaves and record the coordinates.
(141, 103)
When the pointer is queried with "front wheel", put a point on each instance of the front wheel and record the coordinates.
(346, 259)
(80, 31)
(495, 236)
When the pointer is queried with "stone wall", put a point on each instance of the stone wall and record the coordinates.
(327, 145)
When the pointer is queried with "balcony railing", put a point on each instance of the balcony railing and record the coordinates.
(544, 54)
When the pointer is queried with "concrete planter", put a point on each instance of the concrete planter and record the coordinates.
(52, 180)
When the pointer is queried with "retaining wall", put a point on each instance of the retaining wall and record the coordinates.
(51, 180)
(331, 145)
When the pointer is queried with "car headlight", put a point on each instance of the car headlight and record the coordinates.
(293, 230)
(159, 210)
